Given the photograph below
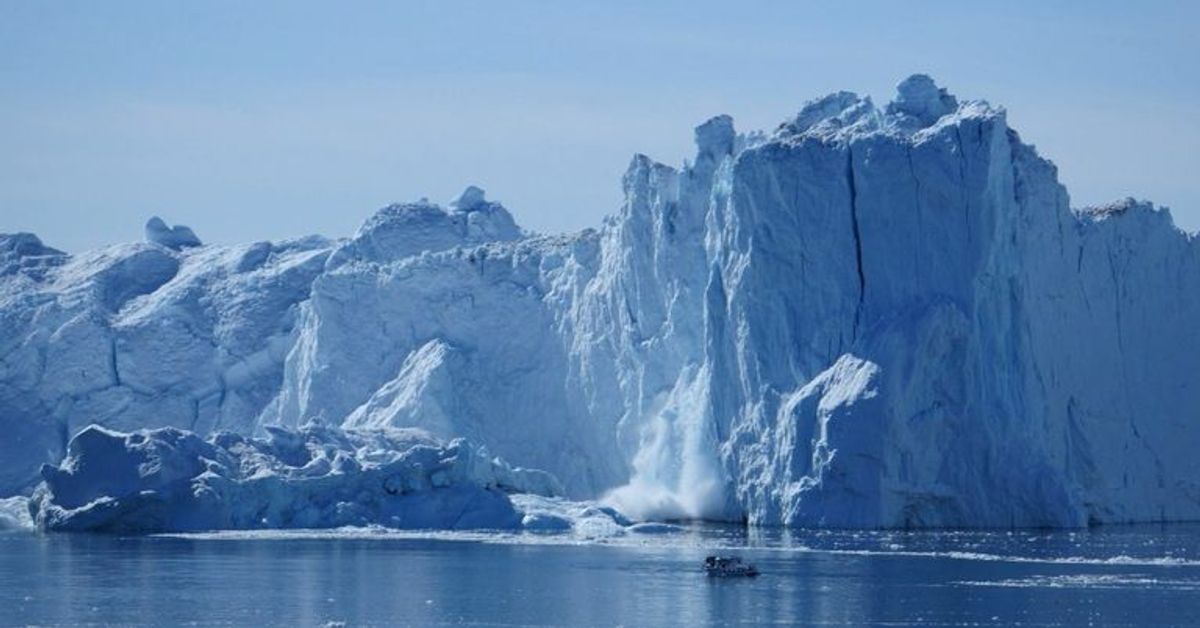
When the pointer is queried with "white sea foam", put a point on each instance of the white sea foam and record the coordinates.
(1090, 581)
(680, 538)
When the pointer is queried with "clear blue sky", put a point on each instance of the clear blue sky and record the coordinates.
(257, 120)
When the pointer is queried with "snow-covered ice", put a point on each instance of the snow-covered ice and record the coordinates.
(170, 480)
(870, 316)
(177, 237)
(14, 513)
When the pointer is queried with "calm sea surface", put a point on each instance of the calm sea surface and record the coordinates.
(1114, 576)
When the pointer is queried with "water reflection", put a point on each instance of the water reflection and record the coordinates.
(1135, 575)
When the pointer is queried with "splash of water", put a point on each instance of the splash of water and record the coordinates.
(676, 471)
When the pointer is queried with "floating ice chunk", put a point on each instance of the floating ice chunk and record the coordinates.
(545, 522)
(170, 480)
(652, 527)
(580, 518)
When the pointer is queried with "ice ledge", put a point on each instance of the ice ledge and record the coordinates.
(1131, 211)
(1127, 205)
(25, 253)
(920, 108)
(404, 230)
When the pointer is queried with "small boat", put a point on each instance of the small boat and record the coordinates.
(727, 566)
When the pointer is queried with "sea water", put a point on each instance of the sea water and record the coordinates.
(1112, 576)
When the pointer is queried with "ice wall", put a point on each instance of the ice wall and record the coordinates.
(912, 318)
(872, 316)
(141, 335)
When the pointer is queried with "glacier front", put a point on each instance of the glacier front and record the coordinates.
(868, 317)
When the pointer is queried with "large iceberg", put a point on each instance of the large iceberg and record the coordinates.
(870, 316)
(171, 480)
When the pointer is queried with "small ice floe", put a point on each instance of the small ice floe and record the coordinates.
(653, 527)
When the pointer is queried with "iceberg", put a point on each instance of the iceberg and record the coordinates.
(866, 317)
(171, 480)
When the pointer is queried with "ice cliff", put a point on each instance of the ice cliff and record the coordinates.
(870, 316)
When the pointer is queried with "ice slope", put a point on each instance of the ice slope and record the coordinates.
(871, 316)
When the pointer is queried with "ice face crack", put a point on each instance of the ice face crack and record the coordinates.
(858, 250)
